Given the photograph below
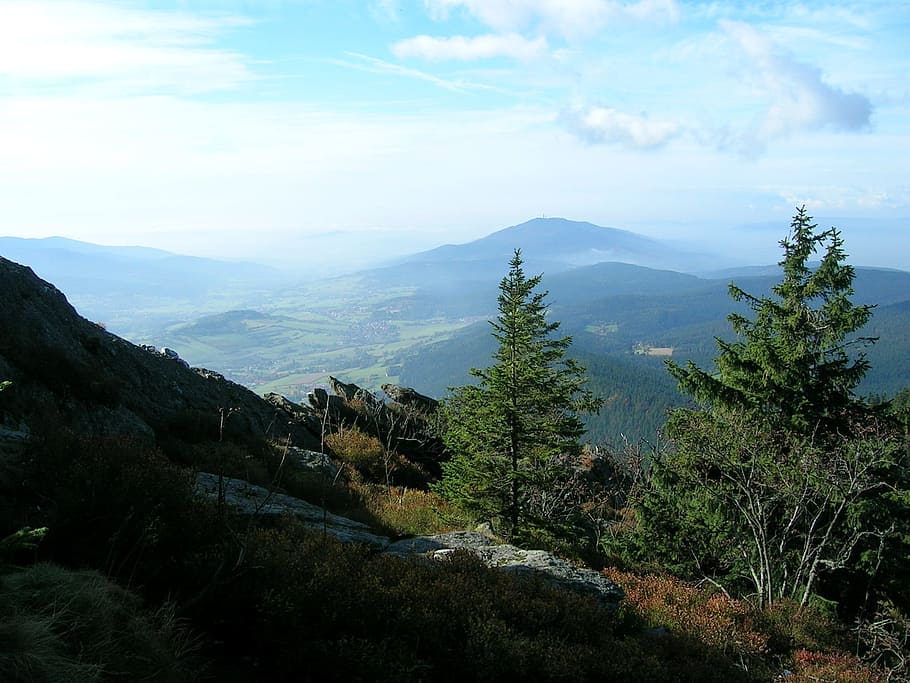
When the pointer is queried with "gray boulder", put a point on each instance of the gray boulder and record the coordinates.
(312, 461)
(351, 392)
(301, 414)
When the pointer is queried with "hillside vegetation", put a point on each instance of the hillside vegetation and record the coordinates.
(762, 537)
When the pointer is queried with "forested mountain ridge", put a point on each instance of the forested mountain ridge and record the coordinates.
(614, 326)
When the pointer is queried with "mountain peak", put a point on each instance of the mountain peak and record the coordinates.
(554, 243)
(552, 227)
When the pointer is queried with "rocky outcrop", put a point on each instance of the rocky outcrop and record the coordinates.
(513, 559)
(403, 424)
(333, 410)
(74, 371)
(298, 413)
(410, 398)
(352, 392)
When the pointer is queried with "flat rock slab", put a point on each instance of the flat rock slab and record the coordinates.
(250, 499)
(513, 559)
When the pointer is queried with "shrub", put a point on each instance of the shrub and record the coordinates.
(117, 505)
(838, 667)
(712, 617)
(374, 462)
(358, 449)
(410, 511)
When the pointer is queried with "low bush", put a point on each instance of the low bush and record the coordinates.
(374, 462)
(838, 667)
(309, 608)
(117, 505)
(797, 644)
(359, 450)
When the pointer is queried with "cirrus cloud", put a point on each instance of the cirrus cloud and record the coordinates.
(82, 42)
(574, 19)
(462, 48)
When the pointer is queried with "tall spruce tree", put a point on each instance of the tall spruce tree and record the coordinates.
(796, 363)
(514, 435)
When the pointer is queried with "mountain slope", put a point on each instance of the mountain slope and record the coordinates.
(64, 367)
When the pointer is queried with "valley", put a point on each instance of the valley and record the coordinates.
(421, 320)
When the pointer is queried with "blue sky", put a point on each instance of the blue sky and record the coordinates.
(239, 128)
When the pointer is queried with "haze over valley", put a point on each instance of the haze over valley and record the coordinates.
(420, 320)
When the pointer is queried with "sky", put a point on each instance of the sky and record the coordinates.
(238, 128)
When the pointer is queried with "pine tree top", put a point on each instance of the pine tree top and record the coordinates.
(797, 360)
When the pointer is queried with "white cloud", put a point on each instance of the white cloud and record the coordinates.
(56, 42)
(569, 18)
(606, 125)
(797, 97)
(462, 48)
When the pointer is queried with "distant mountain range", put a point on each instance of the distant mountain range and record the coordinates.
(134, 290)
(93, 269)
(628, 301)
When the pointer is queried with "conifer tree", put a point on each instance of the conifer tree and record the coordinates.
(793, 363)
(513, 436)
(777, 482)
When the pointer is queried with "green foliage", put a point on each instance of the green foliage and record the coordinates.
(792, 362)
(408, 511)
(514, 434)
(637, 394)
(765, 510)
(778, 488)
